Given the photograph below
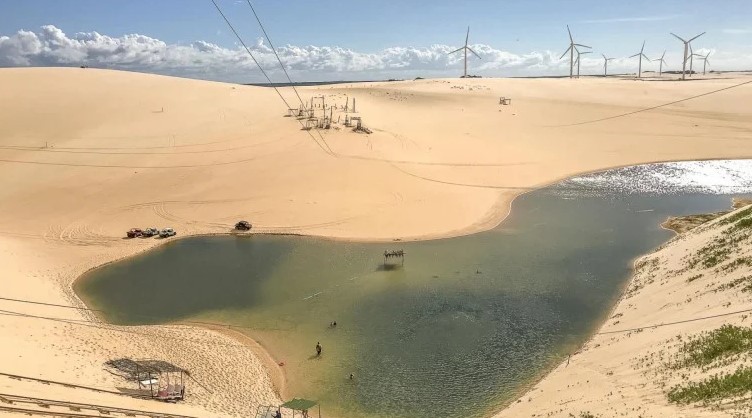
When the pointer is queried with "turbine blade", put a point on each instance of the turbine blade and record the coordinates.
(604, 56)
(643, 47)
(467, 36)
(584, 46)
(635, 55)
(646, 57)
(456, 50)
(570, 35)
(677, 37)
(474, 53)
(562, 55)
(696, 37)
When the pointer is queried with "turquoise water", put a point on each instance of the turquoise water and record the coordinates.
(458, 331)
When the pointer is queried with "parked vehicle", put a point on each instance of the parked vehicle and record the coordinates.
(243, 226)
(134, 232)
(150, 232)
(167, 232)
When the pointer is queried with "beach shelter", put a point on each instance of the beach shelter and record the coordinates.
(302, 406)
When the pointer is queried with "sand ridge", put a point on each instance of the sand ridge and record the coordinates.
(86, 154)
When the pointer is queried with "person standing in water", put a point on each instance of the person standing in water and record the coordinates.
(318, 349)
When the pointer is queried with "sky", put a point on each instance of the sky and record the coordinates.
(326, 40)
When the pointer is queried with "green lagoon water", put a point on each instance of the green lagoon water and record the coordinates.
(457, 332)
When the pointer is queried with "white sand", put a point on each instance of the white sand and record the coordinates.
(87, 154)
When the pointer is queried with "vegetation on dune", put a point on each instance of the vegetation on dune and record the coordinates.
(720, 343)
(737, 216)
(720, 386)
(744, 223)
(695, 277)
(721, 249)
(712, 255)
(739, 262)
(743, 283)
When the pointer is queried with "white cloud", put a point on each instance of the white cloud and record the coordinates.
(50, 46)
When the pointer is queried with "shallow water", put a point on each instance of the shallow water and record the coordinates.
(457, 331)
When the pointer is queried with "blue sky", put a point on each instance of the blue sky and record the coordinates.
(512, 30)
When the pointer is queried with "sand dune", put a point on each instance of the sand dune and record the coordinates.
(87, 154)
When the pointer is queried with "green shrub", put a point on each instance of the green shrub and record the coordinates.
(714, 388)
(719, 343)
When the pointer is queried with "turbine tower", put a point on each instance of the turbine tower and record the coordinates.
(578, 61)
(692, 56)
(572, 49)
(704, 62)
(662, 61)
(605, 65)
(465, 48)
(686, 49)
(640, 54)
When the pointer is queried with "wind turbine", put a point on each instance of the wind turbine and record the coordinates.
(578, 60)
(692, 56)
(704, 62)
(572, 49)
(662, 61)
(465, 48)
(605, 65)
(640, 54)
(686, 49)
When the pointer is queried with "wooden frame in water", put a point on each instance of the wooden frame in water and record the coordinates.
(398, 254)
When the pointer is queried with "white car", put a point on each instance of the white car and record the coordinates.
(167, 232)
(150, 232)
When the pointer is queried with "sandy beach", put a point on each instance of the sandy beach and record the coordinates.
(87, 154)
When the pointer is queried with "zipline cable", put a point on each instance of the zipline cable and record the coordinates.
(232, 28)
(271, 45)
(282, 65)
(653, 107)
(325, 147)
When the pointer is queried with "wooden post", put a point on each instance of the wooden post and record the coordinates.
(354, 106)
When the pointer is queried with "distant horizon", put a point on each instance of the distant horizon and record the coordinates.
(329, 82)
